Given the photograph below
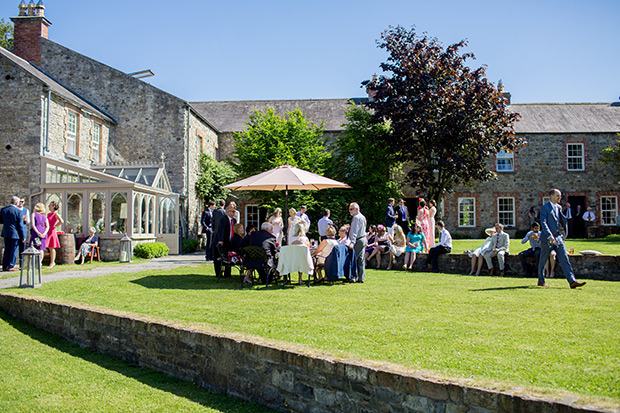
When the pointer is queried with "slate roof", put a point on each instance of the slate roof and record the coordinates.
(231, 116)
(567, 117)
(55, 86)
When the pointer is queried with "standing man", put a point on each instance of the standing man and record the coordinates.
(390, 217)
(589, 219)
(323, 223)
(402, 215)
(206, 221)
(553, 225)
(444, 247)
(25, 221)
(223, 238)
(12, 232)
(569, 217)
(218, 214)
(500, 242)
(302, 215)
(357, 236)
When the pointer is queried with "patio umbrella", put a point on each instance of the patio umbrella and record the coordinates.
(285, 177)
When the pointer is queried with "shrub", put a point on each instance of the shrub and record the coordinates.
(520, 233)
(151, 250)
(190, 245)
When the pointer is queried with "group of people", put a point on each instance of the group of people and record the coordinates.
(578, 221)
(38, 228)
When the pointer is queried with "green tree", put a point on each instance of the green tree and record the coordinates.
(611, 155)
(360, 160)
(214, 175)
(446, 118)
(271, 140)
(6, 35)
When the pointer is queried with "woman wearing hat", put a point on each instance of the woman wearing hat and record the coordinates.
(476, 255)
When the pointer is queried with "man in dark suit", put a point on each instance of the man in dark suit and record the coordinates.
(552, 234)
(266, 240)
(402, 215)
(568, 213)
(12, 232)
(25, 220)
(223, 238)
(390, 216)
(216, 218)
(206, 221)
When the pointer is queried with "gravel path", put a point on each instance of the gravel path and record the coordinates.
(170, 261)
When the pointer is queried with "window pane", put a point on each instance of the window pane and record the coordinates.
(574, 157)
(505, 161)
(74, 214)
(137, 205)
(467, 212)
(118, 213)
(167, 216)
(609, 210)
(505, 211)
(96, 212)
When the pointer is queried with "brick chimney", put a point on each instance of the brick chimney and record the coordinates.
(29, 27)
(369, 87)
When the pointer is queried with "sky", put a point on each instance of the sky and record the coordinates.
(207, 50)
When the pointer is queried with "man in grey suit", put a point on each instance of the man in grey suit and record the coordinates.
(12, 232)
(553, 230)
(500, 242)
(357, 235)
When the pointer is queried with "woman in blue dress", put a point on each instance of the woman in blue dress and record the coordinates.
(416, 242)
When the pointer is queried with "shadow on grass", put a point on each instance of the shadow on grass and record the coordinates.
(144, 375)
(516, 287)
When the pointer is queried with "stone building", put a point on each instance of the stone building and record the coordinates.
(70, 123)
(565, 142)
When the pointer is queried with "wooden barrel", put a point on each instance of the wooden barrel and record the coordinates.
(66, 252)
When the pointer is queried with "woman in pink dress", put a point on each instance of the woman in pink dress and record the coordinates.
(431, 223)
(422, 219)
(55, 221)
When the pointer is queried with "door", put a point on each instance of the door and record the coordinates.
(168, 228)
(578, 227)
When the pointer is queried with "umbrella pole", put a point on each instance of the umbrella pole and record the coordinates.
(285, 235)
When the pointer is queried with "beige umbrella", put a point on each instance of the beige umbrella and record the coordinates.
(285, 177)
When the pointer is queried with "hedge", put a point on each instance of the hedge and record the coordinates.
(151, 250)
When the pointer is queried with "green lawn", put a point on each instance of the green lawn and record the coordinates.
(72, 267)
(41, 372)
(498, 332)
(609, 245)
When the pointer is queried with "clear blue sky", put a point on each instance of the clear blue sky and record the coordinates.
(543, 50)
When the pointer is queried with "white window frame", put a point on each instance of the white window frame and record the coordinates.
(72, 132)
(506, 216)
(545, 199)
(572, 159)
(505, 161)
(609, 210)
(252, 215)
(463, 212)
(96, 154)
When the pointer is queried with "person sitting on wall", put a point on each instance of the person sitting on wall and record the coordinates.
(444, 247)
(533, 236)
(500, 241)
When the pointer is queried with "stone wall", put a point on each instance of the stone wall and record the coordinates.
(283, 379)
(539, 167)
(20, 132)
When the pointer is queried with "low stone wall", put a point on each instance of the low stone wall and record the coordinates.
(594, 267)
(279, 378)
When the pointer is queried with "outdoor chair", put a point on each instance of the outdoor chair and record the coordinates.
(255, 260)
(93, 253)
(336, 268)
(295, 258)
(226, 263)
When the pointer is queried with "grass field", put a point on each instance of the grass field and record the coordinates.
(40, 372)
(497, 332)
(72, 267)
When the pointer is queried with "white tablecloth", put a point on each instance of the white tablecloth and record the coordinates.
(295, 258)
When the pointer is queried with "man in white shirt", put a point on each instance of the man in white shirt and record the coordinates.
(444, 247)
(324, 223)
(302, 215)
(589, 220)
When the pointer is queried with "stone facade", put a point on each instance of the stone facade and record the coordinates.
(540, 166)
(280, 378)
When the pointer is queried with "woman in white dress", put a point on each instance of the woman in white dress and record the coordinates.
(398, 246)
(431, 223)
(277, 223)
(292, 220)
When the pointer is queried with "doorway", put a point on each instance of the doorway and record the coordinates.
(576, 227)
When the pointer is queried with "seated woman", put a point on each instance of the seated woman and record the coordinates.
(237, 243)
(299, 236)
(371, 240)
(477, 254)
(398, 246)
(383, 244)
(343, 233)
(416, 242)
(87, 245)
(323, 251)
